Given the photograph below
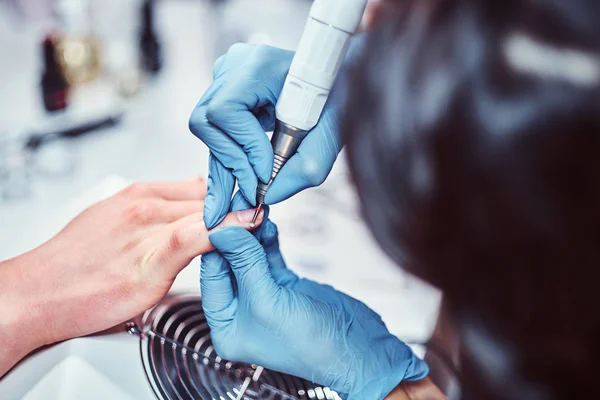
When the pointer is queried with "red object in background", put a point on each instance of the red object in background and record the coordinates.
(57, 100)
(55, 89)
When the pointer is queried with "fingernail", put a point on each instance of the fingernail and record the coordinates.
(247, 215)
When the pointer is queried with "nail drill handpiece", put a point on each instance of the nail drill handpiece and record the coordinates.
(315, 66)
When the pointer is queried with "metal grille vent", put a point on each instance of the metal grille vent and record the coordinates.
(181, 364)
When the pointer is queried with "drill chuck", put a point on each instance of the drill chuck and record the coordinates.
(285, 141)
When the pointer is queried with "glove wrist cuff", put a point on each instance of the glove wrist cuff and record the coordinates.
(393, 363)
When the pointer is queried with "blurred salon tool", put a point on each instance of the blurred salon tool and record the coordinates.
(70, 127)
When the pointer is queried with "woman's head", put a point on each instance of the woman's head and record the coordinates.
(473, 134)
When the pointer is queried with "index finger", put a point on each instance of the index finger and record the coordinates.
(231, 110)
(194, 189)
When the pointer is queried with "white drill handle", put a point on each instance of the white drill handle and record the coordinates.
(317, 61)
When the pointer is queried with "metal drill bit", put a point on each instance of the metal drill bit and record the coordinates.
(253, 223)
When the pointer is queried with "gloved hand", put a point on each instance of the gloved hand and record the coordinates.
(232, 118)
(272, 318)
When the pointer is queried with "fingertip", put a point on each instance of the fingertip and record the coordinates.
(243, 219)
(213, 213)
(239, 202)
(277, 194)
(255, 224)
(288, 182)
(248, 191)
(267, 171)
(260, 155)
(259, 230)
(208, 220)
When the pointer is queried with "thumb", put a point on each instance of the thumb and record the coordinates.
(220, 188)
(183, 240)
(248, 260)
(216, 286)
(268, 235)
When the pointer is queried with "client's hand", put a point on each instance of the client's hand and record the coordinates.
(112, 262)
(272, 318)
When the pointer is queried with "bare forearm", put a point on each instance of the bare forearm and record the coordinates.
(9, 356)
(16, 338)
(424, 389)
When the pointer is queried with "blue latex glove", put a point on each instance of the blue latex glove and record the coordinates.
(264, 314)
(232, 118)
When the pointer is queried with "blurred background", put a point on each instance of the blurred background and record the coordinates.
(134, 72)
(96, 94)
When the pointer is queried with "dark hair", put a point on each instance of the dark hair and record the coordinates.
(473, 136)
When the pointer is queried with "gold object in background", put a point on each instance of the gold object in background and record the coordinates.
(79, 58)
(77, 47)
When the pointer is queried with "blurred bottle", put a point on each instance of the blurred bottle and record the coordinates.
(55, 88)
(77, 47)
(150, 51)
